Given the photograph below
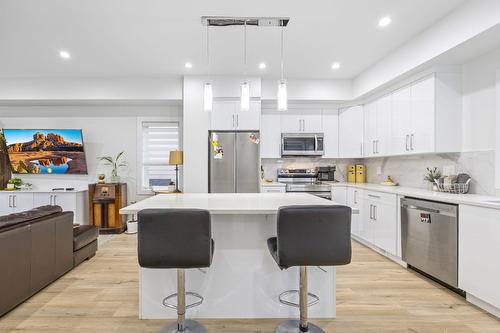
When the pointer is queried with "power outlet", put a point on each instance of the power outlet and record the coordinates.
(379, 170)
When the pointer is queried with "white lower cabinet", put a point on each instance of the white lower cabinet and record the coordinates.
(76, 202)
(339, 194)
(355, 200)
(479, 247)
(15, 202)
(377, 222)
(273, 188)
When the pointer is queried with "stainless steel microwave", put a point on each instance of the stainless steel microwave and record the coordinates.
(302, 144)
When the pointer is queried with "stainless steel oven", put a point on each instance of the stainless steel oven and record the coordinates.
(302, 144)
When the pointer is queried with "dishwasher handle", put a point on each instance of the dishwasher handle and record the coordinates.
(429, 210)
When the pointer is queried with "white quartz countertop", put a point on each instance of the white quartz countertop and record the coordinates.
(45, 191)
(229, 203)
(464, 199)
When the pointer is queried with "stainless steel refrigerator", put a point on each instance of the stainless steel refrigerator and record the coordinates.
(234, 162)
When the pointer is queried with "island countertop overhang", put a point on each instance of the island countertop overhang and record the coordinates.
(229, 203)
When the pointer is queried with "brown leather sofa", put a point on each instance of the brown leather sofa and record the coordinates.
(36, 248)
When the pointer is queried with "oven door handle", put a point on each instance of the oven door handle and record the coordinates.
(315, 143)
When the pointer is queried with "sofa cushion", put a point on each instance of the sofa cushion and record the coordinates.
(84, 235)
(27, 216)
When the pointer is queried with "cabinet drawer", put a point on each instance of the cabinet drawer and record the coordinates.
(386, 198)
(272, 189)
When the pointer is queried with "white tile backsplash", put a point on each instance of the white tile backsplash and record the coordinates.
(407, 170)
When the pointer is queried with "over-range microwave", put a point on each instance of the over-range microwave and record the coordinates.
(302, 144)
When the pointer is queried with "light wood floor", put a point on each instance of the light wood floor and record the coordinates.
(374, 295)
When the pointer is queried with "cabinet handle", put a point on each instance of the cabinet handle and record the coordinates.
(371, 212)
(233, 122)
(54, 200)
(411, 141)
(237, 121)
(361, 148)
(10, 201)
(14, 201)
(356, 197)
(373, 147)
(376, 146)
(374, 213)
(406, 143)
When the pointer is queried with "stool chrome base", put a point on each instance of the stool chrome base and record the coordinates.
(190, 326)
(292, 326)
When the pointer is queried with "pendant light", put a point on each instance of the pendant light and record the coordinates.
(282, 90)
(245, 86)
(208, 97)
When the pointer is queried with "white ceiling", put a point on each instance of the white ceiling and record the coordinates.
(154, 38)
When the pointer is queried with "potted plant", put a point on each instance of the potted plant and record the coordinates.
(432, 176)
(14, 183)
(115, 163)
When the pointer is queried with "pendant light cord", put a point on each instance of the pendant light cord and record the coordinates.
(208, 50)
(282, 53)
(245, 50)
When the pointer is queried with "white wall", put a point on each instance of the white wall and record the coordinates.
(310, 90)
(106, 130)
(479, 102)
(90, 89)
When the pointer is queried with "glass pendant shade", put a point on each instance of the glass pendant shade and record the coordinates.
(245, 96)
(282, 96)
(207, 97)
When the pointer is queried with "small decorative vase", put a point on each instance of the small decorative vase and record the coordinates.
(114, 179)
(435, 188)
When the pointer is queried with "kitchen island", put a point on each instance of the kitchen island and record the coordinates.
(243, 281)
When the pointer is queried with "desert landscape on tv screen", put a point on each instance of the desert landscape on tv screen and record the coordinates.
(46, 151)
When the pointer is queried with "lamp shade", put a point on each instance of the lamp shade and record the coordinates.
(176, 157)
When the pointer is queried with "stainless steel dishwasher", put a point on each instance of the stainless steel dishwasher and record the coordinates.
(429, 232)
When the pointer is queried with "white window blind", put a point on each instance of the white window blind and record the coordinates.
(158, 139)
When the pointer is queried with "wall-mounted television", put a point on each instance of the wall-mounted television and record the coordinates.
(46, 151)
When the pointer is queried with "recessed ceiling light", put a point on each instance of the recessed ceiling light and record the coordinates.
(384, 21)
(335, 65)
(64, 54)
(188, 65)
(262, 65)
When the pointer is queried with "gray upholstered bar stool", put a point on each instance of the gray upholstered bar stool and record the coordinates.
(310, 236)
(181, 239)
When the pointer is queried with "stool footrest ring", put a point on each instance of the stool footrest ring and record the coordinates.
(188, 306)
(313, 298)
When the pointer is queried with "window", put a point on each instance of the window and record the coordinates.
(158, 139)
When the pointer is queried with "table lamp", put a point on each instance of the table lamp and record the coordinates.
(176, 158)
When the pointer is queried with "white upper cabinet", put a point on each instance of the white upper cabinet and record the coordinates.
(377, 138)
(248, 120)
(227, 116)
(303, 122)
(401, 121)
(270, 136)
(427, 116)
(351, 132)
(423, 125)
(331, 132)
(370, 128)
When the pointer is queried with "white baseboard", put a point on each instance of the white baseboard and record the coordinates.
(483, 305)
(386, 254)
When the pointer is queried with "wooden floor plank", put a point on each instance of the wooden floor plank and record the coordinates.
(374, 295)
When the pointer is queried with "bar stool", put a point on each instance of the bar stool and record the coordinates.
(181, 239)
(309, 236)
